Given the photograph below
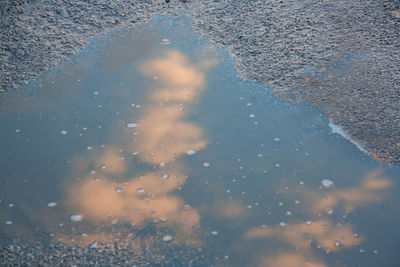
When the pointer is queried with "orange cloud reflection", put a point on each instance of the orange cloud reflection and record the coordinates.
(351, 198)
(323, 232)
(290, 260)
(141, 199)
(162, 136)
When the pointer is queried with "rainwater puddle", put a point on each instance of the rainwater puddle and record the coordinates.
(148, 140)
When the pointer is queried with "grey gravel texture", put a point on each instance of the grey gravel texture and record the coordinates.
(117, 253)
(340, 56)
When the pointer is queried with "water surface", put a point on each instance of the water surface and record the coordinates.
(147, 137)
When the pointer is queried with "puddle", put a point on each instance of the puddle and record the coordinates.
(147, 140)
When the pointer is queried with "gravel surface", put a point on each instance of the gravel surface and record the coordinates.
(118, 253)
(341, 56)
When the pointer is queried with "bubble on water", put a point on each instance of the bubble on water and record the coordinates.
(277, 165)
(140, 190)
(326, 183)
(301, 182)
(96, 93)
(75, 218)
(206, 164)
(167, 238)
(276, 139)
(330, 211)
(288, 213)
(286, 188)
(93, 245)
(282, 224)
(118, 189)
(165, 41)
(248, 104)
(356, 235)
(260, 155)
(280, 203)
(89, 148)
(252, 115)
(214, 232)
(375, 251)
(338, 244)
(9, 222)
(17, 130)
(249, 206)
(165, 176)
(103, 167)
(11, 205)
(297, 202)
(309, 222)
(51, 204)
(130, 125)
(361, 250)
(63, 132)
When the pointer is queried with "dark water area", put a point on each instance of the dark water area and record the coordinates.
(149, 138)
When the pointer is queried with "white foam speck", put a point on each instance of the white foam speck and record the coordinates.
(75, 218)
(327, 183)
(51, 204)
(191, 152)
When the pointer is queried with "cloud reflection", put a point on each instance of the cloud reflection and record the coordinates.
(291, 260)
(325, 233)
(322, 232)
(349, 199)
(162, 136)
